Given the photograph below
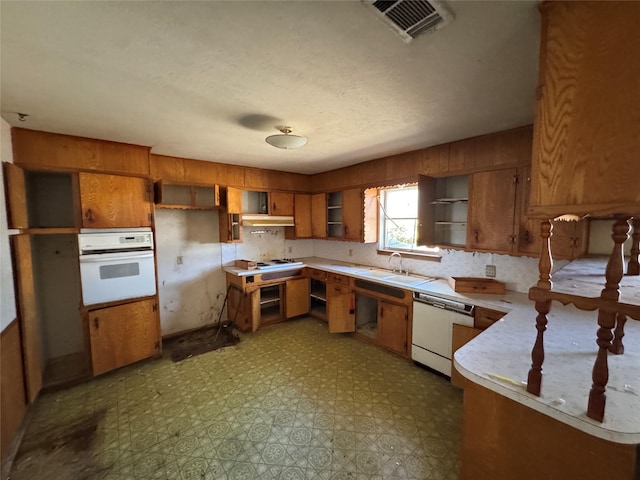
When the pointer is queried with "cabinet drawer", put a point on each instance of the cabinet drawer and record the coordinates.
(484, 317)
(317, 274)
(337, 278)
(336, 288)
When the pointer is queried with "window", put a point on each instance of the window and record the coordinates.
(399, 219)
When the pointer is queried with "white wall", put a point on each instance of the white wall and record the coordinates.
(519, 273)
(600, 242)
(7, 298)
(192, 294)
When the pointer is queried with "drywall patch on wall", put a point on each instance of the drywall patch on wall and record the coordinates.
(191, 282)
(7, 297)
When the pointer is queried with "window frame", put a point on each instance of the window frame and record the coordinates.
(383, 249)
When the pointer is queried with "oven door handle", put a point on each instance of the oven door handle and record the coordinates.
(109, 257)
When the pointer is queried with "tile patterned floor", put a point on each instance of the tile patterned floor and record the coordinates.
(288, 402)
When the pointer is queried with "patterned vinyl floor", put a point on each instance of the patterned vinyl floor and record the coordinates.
(288, 402)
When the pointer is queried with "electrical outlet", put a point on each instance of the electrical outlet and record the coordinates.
(490, 270)
(179, 260)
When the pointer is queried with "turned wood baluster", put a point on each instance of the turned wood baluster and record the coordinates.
(634, 259)
(545, 262)
(534, 380)
(617, 346)
(606, 321)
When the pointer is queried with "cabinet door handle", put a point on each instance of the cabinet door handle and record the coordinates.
(346, 230)
(89, 215)
(96, 322)
(273, 207)
(527, 236)
(476, 236)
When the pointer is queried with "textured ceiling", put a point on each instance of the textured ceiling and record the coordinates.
(210, 80)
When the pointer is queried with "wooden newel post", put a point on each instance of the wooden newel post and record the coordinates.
(607, 321)
(534, 380)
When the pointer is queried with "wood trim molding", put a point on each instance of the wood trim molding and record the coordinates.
(13, 402)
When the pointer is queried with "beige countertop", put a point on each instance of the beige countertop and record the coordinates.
(504, 350)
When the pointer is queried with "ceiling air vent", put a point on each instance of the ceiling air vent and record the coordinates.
(410, 18)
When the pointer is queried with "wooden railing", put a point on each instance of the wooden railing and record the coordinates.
(612, 312)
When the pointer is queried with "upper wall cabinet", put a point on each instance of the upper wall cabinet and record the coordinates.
(51, 150)
(267, 203)
(187, 197)
(41, 200)
(109, 201)
(301, 217)
(587, 127)
(442, 211)
(352, 215)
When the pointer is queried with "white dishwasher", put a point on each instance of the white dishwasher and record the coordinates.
(433, 319)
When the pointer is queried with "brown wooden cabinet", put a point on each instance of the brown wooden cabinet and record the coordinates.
(319, 215)
(340, 304)
(123, 334)
(587, 133)
(186, 197)
(302, 218)
(483, 318)
(28, 314)
(109, 201)
(492, 211)
(230, 216)
(393, 323)
(462, 335)
(443, 211)
(296, 297)
(281, 203)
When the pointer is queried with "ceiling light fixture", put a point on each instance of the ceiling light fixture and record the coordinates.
(285, 140)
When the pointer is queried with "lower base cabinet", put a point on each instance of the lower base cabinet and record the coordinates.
(265, 298)
(483, 318)
(392, 326)
(124, 334)
(340, 309)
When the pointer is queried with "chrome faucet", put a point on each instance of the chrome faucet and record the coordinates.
(397, 254)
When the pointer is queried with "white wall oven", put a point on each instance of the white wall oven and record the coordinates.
(116, 264)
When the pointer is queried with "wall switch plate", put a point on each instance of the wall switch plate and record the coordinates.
(490, 271)
(179, 260)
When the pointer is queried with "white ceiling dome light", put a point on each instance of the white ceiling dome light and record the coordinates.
(285, 140)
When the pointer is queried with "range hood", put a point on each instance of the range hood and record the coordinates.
(267, 220)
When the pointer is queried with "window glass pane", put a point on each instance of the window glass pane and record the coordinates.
(402, 203)
(400, 233)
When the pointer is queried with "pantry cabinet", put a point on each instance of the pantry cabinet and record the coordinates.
(123, 334)
(109, 201)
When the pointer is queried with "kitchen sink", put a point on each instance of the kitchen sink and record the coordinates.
(406, 280)
(375, 273)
